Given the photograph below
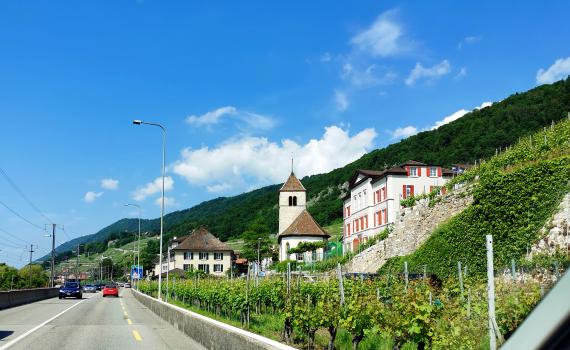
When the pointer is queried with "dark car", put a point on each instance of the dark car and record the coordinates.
(90, 288)
(70, 289)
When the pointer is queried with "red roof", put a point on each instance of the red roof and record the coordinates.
(292, 184)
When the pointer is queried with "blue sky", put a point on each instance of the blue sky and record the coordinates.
(240, 86)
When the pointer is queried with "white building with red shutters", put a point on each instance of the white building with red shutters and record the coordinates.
(373, 198)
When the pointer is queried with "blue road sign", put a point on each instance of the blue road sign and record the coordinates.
(136, 272)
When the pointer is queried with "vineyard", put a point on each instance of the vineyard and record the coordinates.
(378, 313)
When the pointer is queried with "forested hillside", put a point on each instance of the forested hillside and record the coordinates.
(474, 136)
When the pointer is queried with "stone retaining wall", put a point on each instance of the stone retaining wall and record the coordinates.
(412, 228)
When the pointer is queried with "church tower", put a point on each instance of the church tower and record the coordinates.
(292, 201)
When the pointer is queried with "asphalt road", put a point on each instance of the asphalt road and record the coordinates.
(91, 323)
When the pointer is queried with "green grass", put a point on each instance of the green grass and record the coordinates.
(335, 230)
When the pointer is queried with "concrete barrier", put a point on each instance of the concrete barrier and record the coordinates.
(25, 296)
(210, 333)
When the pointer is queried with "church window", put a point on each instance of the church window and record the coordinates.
(290, 201)
(294, 201)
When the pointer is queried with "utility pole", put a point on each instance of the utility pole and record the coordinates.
(77, 266)
(30, 269)
(52, 255)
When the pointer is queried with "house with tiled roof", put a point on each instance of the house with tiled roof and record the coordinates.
(200, 250)
(296, 225)
(373, 198)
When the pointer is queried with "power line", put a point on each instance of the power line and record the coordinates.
(20, 216)
(63, 229)
(13, 235)
(19, 191)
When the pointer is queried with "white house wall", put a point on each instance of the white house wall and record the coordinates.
(394, 185)
(294, 242)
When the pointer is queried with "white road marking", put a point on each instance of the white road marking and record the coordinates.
(22, 336)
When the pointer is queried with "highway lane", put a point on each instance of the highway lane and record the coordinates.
(92, 323)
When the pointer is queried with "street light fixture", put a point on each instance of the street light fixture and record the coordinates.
(139, 240)
(140, 122)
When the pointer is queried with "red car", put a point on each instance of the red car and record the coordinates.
(111, 289)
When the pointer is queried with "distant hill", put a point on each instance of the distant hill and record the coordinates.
(474, 136)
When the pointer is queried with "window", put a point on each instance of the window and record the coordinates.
(294, 201)
(287, 250)
(362, 223)
(187, 267)
(348, 229)
(188, 255)
(348, 211)
(218, 268)
(218, 256)
(433, 172)
(413, 171)
(385, 213)
(384, 193)
(300, 256)
(204, 267)
(203, 256)
(407, 191)
(290, 201)
(366, 221)
(314, 255)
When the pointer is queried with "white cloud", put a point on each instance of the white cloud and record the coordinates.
(456, 115)
(557, 71)
(433, 72)
(383, 38)
(219, 188)
(404, 132)
(152, 188)
(246, 120)
(462, 73)
(212, 117)
(367, 77)
(469, 40)
(250, 162)
(341, 100)
(91, 196)
(326, 57)
(168, 201)
(110, 184)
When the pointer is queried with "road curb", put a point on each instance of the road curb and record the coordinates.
(210, 333)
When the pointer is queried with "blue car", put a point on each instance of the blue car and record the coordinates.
(70, 289)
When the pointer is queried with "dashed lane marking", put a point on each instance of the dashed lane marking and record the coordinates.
(129, 321)
(137, 335)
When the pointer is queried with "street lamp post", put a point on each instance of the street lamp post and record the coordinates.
(140, 122)
(139, 241)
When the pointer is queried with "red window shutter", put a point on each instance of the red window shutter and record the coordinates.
(407, 171)
(439, 171)
(366, 220)
(404, 191)
(374, 219)
(419, 171)
(411, 190)
(386, 215)
(379, 218)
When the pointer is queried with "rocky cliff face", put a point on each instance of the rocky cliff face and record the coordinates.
(555, 235)
(412, 228)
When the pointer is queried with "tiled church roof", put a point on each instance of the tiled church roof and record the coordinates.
(304, 225)
(292, 184)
